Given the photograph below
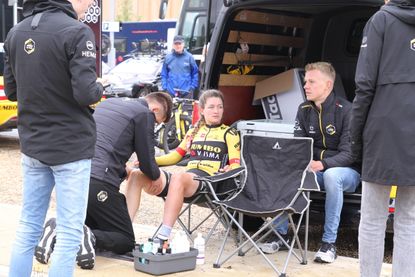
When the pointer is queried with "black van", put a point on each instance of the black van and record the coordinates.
(255, 39)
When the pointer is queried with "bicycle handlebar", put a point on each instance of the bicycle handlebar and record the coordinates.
(183, 100)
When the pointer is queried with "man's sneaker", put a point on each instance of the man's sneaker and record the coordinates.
(326, 253)
(86, 254)
(47, 241)
(273, 244)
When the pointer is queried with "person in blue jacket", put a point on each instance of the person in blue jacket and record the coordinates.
(180, 75)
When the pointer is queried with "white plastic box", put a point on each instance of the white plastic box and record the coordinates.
(266, 128)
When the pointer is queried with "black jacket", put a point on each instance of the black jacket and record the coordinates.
(50, 71)
(124, 126)
(329, 130)
(382, 127)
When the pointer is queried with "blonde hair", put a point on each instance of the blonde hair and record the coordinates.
(207, 94)
(324, 67)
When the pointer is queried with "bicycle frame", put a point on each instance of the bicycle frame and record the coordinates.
(179, 124)
(180, 118)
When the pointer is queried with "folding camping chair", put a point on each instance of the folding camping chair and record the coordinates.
(276, 183)
(226, 184)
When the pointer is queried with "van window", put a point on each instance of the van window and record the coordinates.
(194, 29)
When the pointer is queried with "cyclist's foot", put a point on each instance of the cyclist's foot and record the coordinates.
(47, 241)
(86, 254)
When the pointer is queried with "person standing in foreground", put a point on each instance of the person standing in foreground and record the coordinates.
(179, 75)
(124, 126)
(325, 118)
(50, 70)
(382, 134)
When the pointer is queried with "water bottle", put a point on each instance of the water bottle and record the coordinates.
(185, 242)
(156, 245)
(180, 243)
(199, 244)
(147, 248)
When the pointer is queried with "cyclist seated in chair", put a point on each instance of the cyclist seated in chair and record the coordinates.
(213, 147)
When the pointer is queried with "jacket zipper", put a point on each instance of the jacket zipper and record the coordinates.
(321, 131)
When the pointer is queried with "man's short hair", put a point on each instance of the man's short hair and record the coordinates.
(165, 100)
(324, 67)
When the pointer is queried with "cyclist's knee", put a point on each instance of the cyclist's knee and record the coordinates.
(179, 180)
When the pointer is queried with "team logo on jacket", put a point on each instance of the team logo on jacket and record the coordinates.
(29, 46)
(102, 196)
(89, 45)
(364, 42)
(330, 129)
(413, 44)
(90, 53)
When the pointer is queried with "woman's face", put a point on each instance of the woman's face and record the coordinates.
(213, 111)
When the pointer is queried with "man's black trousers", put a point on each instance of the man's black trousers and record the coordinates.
(107, 216)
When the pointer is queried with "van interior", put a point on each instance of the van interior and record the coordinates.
(252, 42)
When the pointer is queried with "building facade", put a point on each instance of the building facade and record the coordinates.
(139, 10)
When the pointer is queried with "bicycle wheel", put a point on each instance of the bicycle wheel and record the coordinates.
(170, 139)
(158, 136)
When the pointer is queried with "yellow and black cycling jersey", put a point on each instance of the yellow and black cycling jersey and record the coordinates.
(211, 148)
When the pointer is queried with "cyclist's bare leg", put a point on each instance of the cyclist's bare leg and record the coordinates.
(138, 181)
(181, 185)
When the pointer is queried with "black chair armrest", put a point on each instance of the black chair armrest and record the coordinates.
(221, 176)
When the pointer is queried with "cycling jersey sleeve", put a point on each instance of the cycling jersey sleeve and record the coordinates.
(172, 158)
(175, 156)
(233, 144)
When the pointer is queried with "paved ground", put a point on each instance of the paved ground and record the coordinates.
(252, 264)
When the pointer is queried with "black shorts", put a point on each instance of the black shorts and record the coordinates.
(195, 171)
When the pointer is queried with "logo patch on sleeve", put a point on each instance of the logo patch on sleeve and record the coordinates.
(89, 45)
(413, 44)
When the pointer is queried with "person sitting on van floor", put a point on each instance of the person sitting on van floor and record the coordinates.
(179, 75)
(213, 147)
(325, 118)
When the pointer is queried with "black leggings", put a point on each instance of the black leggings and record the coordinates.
(107, 216)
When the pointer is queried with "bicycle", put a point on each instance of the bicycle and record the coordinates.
(172, 133)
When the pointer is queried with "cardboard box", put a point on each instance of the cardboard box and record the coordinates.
(281, 94)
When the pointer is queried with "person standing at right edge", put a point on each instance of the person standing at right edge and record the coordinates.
(50, 70)
(382, 133)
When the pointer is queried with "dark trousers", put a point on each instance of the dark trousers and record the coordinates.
(107, 216)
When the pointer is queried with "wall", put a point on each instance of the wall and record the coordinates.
(141, 10)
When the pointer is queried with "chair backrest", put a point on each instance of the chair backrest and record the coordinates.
(276, 171)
